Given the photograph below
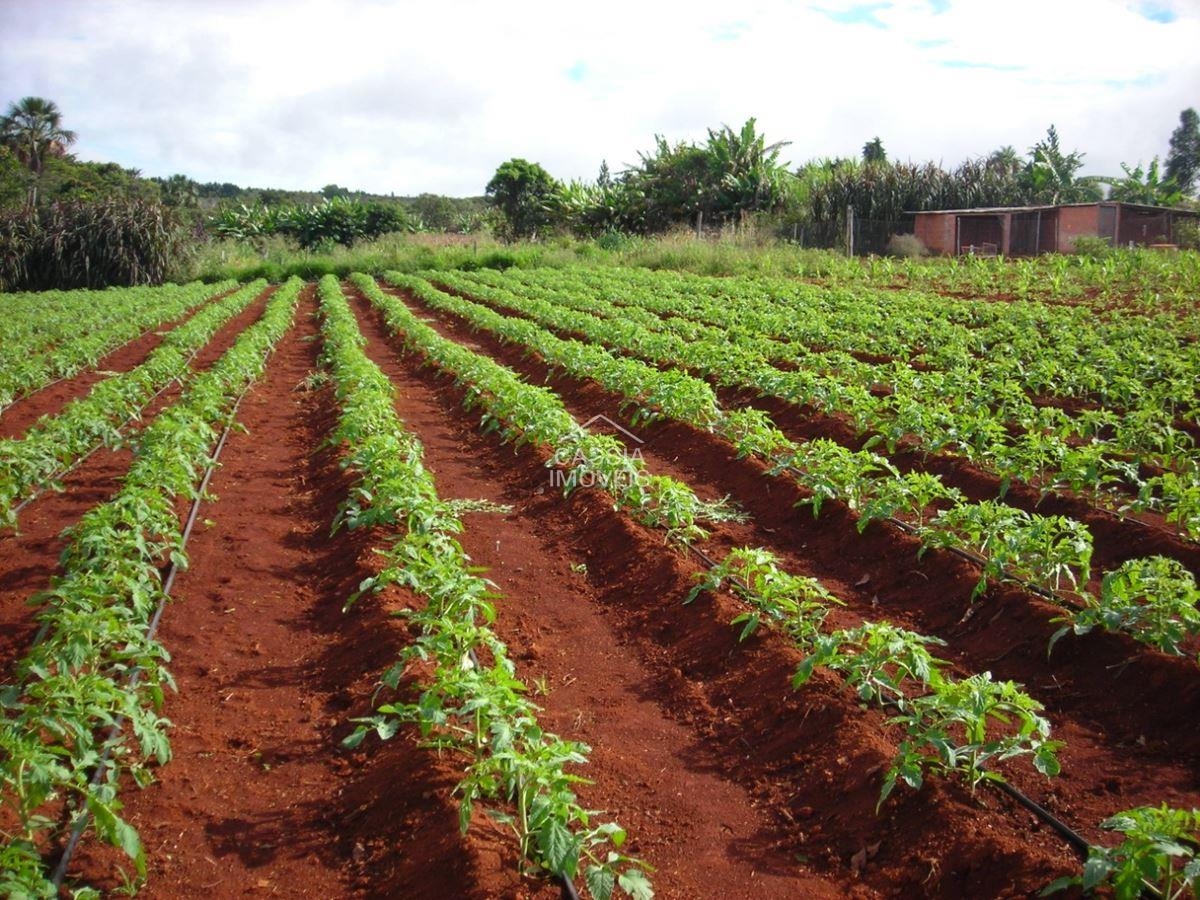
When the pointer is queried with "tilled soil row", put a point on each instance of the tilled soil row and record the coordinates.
(1115, 704)
(29, 558)
(620, 643)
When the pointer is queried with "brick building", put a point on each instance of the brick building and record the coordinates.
(1029, 230)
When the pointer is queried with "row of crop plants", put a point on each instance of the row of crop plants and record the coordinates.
(83, 712)
(45, 341)
(471, 700)
(952, 725)
(1153, 599)
(1045, 350)
(1148, 280)
(1137, 461)
(1000, 362)
(38, 459)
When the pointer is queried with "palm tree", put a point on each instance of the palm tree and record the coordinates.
(33, 128)
(1004, 161)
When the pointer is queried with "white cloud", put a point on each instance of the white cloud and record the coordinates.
(403, 97)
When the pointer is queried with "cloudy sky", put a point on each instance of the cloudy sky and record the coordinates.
(409, 97)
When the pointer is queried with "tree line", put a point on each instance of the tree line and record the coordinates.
(50, 201)
(37, 168)
(735, 175)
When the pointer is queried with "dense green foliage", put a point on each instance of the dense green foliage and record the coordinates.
(524, 194)
(1183, 159)
(735, 178)
(732, 175)
(338, 220)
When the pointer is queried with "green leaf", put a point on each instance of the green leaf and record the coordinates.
(1058, 884)
(559, 848)
(635, 883)
(1095, 871)
(600, 882)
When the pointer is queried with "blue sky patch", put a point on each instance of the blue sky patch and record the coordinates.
(859, 14)
(1157, 11)
(990, 67)
(731, 31)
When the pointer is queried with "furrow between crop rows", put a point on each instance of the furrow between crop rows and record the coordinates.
(1111, 724)
(30, 557)
(849, 730)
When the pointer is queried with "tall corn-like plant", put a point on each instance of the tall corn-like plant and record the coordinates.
(880, 193)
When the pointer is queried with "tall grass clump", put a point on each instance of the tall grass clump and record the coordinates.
(95, 244)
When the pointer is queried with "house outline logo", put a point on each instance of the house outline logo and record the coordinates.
(603, 418)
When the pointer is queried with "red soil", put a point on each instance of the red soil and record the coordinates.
(704, 834)
(731, 784)
(29, 558)
(812, 757)
(1117, 704)
(259, 798)
(49, 400)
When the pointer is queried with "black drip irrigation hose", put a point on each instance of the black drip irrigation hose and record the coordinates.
(1073, 838)
(85, 816)
(975, 559)
(568, 887)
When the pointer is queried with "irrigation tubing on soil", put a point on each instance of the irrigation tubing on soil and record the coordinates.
(1073, 838)
(41, 632)
(81, 823)
(568, 888)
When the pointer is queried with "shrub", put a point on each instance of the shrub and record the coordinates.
(1092, 247)
(1187, 234)
(319, 227)
(906, 246)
